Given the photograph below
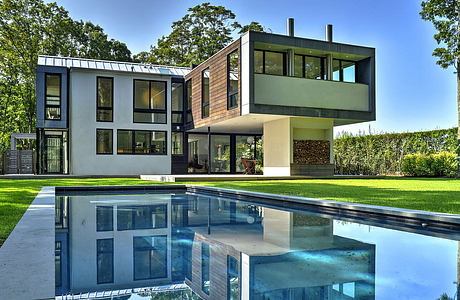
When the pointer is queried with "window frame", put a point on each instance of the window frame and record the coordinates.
(60, 97)
(97, 258)
(341, 69)
(133, 142)
(304, 72)
(97, 99)
(204, 104)
(178, 112)
(103, 207)
(150, 258)
(230, 93)
(111, 148)
(263, 62)
(182, 143)
(188, 110)
(150, 110)
(133, 213)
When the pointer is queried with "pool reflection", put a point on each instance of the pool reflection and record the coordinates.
(220, 249)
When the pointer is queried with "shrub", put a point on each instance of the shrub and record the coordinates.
(438, 164)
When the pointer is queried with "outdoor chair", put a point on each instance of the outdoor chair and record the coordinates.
(249, 165)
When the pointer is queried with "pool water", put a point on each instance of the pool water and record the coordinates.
(180, 245)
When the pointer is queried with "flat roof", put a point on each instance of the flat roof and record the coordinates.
(107, 65)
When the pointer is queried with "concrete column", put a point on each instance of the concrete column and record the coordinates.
(277, 147)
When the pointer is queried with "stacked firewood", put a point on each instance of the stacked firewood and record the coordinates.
(311, 152)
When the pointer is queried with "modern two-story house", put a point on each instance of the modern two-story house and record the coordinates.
(271, 99)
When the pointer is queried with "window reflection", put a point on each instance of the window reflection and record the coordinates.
(141, 217)
(150, 257)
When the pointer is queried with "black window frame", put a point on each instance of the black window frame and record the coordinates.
(188, 96)
(97, 259)
(323, 69)
(133, 213)
(103, 207)
(263, 62)
(111, 148)
(133, 142)
(341, 69)
(60, 97)
(182, 143)
(232, 93)
(205, 104)
(150, 257)
(106, 108)
(178, 112)
(150, 110)
(58, 257)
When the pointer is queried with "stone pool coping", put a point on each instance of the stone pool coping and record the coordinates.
(27, 256)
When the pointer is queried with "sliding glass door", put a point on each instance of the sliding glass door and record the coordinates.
(54, 155)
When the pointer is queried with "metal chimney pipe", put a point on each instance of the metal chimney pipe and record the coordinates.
(290, 27)
(329, 33)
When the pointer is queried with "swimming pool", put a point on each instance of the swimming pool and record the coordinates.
(204, 243)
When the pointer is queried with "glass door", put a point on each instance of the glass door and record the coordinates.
(53, 154)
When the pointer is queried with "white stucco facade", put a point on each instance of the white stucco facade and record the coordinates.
(83, 125)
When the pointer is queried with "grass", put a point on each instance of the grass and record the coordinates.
(431, 194)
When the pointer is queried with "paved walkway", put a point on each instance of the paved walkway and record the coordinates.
(27, 256)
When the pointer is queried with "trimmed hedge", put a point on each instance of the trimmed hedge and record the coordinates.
(439, 164)
(384, 153)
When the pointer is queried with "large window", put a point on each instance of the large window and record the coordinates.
(150, 257)
(220, 153)
(149, 101)
(188, 103)
(269, 62)
(232, 79)
(310, 67)
(104, 218)
(104, 141)
(205, 93)
(177, 102)
(141, 217)
(177, 143)
(141, 142)
(205, 268)
(104, 97)
(105, 261)
(249, 147)
(53, 96)
(344, 70)
(198, 153)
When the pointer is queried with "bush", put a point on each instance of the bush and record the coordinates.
(438, 164)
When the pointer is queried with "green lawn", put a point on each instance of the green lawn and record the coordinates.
(439, 195)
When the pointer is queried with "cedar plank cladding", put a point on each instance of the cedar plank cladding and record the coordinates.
(217, 88)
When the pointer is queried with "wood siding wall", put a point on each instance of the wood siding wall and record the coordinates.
(217, 88)
(217, 268)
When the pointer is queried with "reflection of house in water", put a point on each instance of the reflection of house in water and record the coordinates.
(221, 249)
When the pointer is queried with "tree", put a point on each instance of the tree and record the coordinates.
(444, 14)
(201, 33)
(253, 26)
(29, 28)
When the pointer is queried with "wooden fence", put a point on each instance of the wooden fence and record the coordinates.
(18, 162)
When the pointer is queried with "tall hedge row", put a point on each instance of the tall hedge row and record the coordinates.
(383, 153)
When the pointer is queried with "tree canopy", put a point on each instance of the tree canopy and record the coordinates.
(444, 16)
(29, 28)
(202, 32)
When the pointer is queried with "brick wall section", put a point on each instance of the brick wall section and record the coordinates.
(311, 152)
(217, 88)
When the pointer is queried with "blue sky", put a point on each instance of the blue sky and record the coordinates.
(413, 93)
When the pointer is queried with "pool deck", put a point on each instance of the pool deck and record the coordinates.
(27, 256)
(241, 177)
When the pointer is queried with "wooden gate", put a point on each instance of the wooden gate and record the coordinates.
(19, 162)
